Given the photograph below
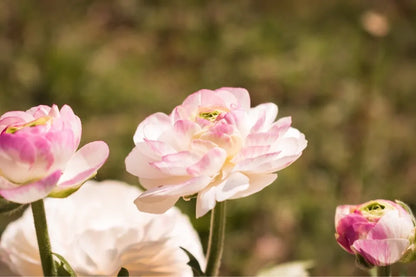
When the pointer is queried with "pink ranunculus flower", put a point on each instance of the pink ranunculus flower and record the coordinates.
(380, 231)
(37, 154)
(214, 146)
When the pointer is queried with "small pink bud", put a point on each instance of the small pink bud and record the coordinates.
(379, 231)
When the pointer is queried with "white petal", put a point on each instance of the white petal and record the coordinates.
(257, 183)
(152, 127)
(234, 184)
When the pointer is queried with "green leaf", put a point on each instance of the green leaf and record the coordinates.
(63, 267)
(193, 263)
(10, 207)
(123, 272)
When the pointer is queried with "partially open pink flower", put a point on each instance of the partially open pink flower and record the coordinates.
(380, 231)
(213, 146)
(37, 154)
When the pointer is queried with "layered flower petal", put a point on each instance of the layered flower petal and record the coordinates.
(161, 198)
(82, 166)
(381, 252)
(32, 191)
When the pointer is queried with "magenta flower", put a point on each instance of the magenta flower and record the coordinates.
(380, 231)
(37, 154)
(213, 146)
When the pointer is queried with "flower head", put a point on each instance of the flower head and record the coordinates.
(38, 154)
(107, 233)
(214, 146)
(380, 231)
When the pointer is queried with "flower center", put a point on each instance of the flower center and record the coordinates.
(39, 121)
(375, 210)
(210, 116)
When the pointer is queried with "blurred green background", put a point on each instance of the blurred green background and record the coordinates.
(344, 70)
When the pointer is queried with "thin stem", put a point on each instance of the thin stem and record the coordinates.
(384, 270)
(216, 239)
(42, 235)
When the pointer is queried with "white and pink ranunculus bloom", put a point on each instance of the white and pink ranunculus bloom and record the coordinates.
(38, 154)
(214, 146)
(380, 231)
(107, 233)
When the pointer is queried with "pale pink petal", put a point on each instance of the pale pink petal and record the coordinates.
(150, 183)
(152, 127)
(201, 146)
(240, 94)
(160, 148)
(253, 152)
(181, 135)
(341, 211)
(31, 192)
(19, 116)
(176, 164)
(205, 201)
(210, 164)
(160, 199)
(73, 123)
(138, 163)
(266, 163)
(62, 144)
(24, 158)
(392, 225)
(257, 183)
(262, 116)
(14, 118)
(39, 111)
(277, 130)
(290, 146)
(235, 183)
(228, 98)
(381, 252)
(84, 164)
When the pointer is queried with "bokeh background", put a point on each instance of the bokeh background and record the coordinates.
(344, 70)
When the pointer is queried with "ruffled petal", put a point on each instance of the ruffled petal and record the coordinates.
(177, 163)
(160, 199)
(392, 225)
(152, 127)
(138, 163)
(234, 184)
(210, 164)
(24, 158)
(257, 183)
(263, 116)
(381, 252)
(84, 164)
(33, 191)
(205, 201)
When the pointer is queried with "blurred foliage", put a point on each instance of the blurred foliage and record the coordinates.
(348, 81)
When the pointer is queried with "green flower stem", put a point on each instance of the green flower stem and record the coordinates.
(39, 217)
(216, 239)
(384, 270)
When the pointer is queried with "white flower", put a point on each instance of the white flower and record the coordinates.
(99, 230)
